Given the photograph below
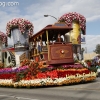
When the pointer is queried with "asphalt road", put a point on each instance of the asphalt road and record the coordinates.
(87, 91)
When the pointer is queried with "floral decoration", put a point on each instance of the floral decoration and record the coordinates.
(3, 37)
(68, 18)
(22, 24)
(33, 74)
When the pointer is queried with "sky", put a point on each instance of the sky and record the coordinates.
(34, 11)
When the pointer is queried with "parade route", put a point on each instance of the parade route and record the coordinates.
(86, 91)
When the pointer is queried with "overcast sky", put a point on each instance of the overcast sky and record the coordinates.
(33, 10)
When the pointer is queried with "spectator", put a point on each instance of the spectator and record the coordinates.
(59, 39)
(96, 59)
(89, 63)
(40, 46)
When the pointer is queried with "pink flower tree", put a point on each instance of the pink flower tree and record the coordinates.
(3, 40)
(22, 24)
(78, 23)
(20, 29)
(68, 18)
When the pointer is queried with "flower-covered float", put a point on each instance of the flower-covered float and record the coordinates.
(46, 62)
(33, 74)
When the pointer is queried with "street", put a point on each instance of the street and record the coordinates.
(86, 91)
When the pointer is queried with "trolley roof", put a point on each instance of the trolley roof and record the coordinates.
(53, 31)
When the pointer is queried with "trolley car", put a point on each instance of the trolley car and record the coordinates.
(44, 45)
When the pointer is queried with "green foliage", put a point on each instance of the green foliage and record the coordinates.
(93, 68)
(97, 50)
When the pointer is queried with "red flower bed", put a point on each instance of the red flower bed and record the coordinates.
(48, 74)
(61, 73)
(52, 74)
(41, 75)
(7, 76)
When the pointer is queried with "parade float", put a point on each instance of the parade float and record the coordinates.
(39, 60)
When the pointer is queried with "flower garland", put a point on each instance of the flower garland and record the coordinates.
(69, 17)
(3, 37)
(13, 70)
(22, 24)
